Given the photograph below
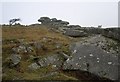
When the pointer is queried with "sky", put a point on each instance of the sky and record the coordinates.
(77, 13)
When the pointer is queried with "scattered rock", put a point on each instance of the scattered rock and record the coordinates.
(15, 59)
(55, 60)
(23, 48)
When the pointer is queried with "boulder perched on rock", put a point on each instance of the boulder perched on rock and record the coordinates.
(74, 33)
(44, 20)
(53, 22)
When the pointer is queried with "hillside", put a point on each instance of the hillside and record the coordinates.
(49, 42)
(44, 52)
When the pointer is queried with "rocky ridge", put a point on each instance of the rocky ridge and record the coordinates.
(90, 50)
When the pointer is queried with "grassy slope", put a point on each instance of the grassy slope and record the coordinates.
(31, 34)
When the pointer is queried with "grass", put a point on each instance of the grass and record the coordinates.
(13, 36)
(32, 34)
(37, 34)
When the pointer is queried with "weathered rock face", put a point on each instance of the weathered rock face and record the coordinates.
(92, 58)
(74, 33)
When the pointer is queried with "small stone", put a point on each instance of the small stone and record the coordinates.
(109, 63)
(84, 63)
(76, 63)
(58, 45)
(75, 68)
(84, 56)
(44, 38)
(18, 50)
(91, 55)
(54, 66)
(98, 61)
(54, 59)
(79, 58)
(57, 59)
(107, 52)
(98, 58)
(11, 41)
(45, 59)
(67, 60)
(74, 51)
(26, 51)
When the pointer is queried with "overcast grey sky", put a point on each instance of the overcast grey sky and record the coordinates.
(80, 13)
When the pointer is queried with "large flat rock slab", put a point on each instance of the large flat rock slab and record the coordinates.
(92, 58)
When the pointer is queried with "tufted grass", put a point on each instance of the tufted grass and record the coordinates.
(11, 37)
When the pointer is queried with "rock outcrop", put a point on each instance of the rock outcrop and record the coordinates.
(112, 33)
(75, 33)
(56, 60)
(53, 22)
(91, 57)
